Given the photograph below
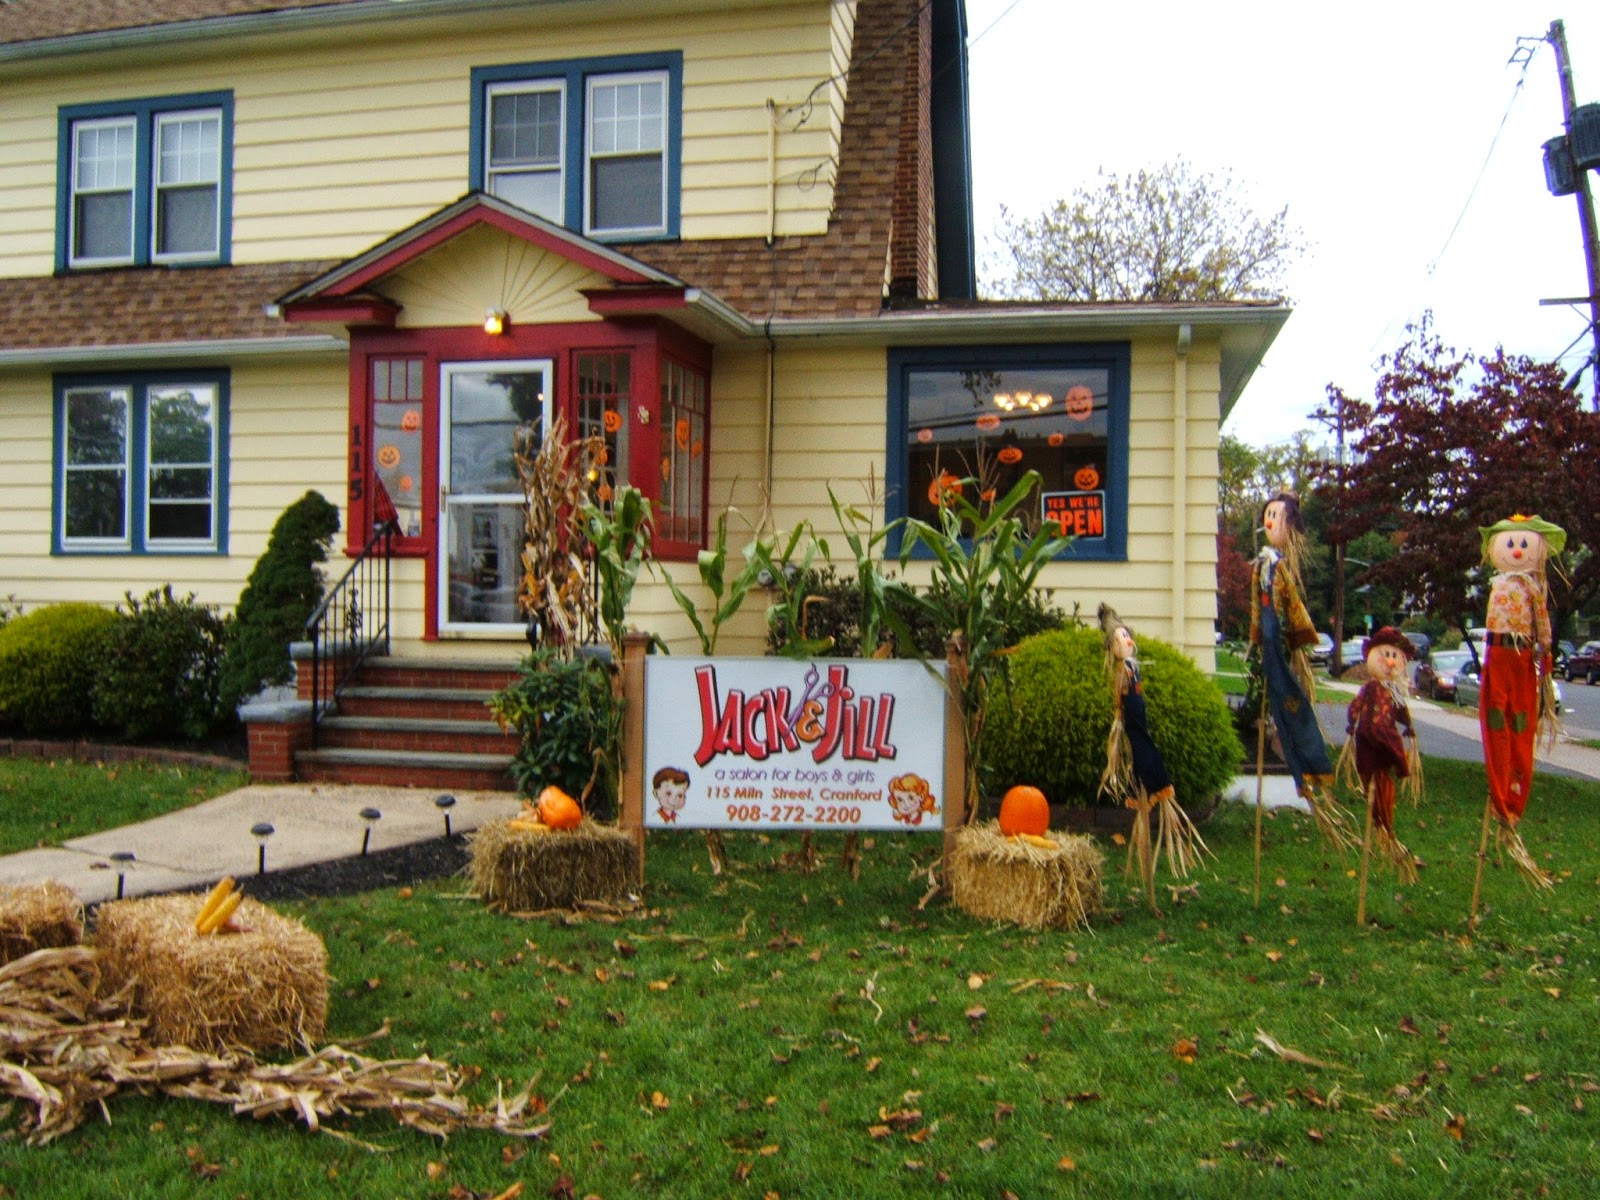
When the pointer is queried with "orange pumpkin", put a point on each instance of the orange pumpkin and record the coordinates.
(1087, 478)
(988, 422)
(1055, 439)
(559, 810)
(1024, 809)
(1010, 455)
(945, 489)
(612, 420)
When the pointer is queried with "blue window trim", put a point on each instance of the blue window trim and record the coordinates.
(144, 113)
(1113, 357)
(139, 384)
(575, 73)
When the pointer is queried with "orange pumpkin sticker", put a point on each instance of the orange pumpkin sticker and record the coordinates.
(612, 420)
(924, 436)
(1080, 402)
(1010, 455)
(602, 456)
(388, 457)
(680, 434)
(697, 449)
(666, 469)
(1086, 479)
(945, 489)
(411, 420)
(987, 495)
(1056, 439)
(988, 422)
(406, 483)
(603, 493)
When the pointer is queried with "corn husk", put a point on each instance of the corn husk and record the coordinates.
(996, 878)
(523, 871)
(263, 988)
(1511, 845)
(38, 916)
(1177, 838)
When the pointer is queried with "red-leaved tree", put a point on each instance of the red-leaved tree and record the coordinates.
(1452, 442)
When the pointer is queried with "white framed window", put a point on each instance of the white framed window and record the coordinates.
(526, 159)
(97, 432)
(102, 191)
(181, 465)
(625, 174)
(186, 214)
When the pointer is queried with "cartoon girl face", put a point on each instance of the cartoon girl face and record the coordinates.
(905, 801)
(1518, 550)
(1386, 662)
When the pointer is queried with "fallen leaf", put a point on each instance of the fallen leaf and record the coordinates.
(1184, 1050)
(1288, 1053)
(1118, 839)
(974, 982)
(659, 1102)
(1066, 1164)
(977, 1013)
(661, 985)
(437, 1170)
(1315, 1135)
(742, 1171)
(1456, 1126)
(767, 1151)
(1274, 955)
(1553, 992)
(987, 1144)
(405, 893)
(878, 1132)
(1407, 1025)
(873, 1064)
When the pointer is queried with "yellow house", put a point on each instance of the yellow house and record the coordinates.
(249, 248)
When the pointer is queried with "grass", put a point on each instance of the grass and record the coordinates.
(771, 1032)
(47, 802)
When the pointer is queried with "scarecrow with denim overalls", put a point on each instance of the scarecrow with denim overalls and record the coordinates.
(1282, 628)
(1517, 701)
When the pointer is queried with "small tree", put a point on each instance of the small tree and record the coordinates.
(279, 597)
(1163, 234)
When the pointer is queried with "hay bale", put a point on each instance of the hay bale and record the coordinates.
(525, 871)
(996, 878)
(265, 988)
(38, 916)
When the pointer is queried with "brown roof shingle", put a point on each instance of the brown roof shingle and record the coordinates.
(37, 20)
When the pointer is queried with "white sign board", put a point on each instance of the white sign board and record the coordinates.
(773, 743)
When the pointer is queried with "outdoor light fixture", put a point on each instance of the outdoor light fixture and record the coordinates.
(494, 321)
(370, 816)
(124, 861)
(261, 831)
(444, 803)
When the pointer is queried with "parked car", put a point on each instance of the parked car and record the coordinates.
(1421, 643)
(1350, 653)
(1436, 678)
(1564, 651)
(1321, 650)
(1469, 686)
(1585, 662)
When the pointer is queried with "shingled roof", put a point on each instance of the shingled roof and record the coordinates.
(837, 274)
(39, 20)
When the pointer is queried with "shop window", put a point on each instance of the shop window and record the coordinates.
(396, 435)
(681, 514)
(604, 397)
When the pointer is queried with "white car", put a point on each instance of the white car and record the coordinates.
(1468, 687)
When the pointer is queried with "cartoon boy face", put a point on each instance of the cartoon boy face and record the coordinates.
(670, 794)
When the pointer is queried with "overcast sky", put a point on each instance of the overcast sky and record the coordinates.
(1372, 122)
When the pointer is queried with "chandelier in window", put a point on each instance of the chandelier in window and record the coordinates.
(1032, 401)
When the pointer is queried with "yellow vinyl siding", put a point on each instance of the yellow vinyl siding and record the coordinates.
(339, 143)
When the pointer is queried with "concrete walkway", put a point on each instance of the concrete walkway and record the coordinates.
(195, 847)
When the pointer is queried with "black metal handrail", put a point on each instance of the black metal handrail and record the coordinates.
(351, 624)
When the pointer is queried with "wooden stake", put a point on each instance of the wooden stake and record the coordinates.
(1366, 851)
(1261, 770)
(1483, 851)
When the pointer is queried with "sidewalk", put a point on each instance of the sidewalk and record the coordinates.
(195, 847)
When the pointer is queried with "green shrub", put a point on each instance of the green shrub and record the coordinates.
(1050, 729)
(565, 711)
(47, 667)
(279, 597)
(159, 670)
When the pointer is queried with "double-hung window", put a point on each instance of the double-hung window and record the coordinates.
(145, 181)
(140, 463)
(592, 144)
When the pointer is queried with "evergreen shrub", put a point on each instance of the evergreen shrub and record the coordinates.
(565, 711)
(47, 667)
(279, 597)
(1050, 728)
(159, 674)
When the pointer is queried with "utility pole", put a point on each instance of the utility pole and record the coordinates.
(1336, 663)
(1557, 38)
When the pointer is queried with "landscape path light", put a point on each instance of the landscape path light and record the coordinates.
(445, 802)
(370, 816)
(124, 861)
(262, 830)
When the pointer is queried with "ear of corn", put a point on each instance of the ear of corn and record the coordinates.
(219, 915)
(1034, 839)
(215, 897)
(527, 824)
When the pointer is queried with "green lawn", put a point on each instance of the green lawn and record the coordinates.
(46, 802)
(774, 1033)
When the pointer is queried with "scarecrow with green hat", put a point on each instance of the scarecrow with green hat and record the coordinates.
(1518, 696)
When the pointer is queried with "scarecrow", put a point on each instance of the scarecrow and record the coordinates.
(1135, 769)
(1282, 628)
(1517, 701)
(1375, 752)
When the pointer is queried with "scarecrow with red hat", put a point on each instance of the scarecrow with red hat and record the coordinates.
(1375, 749)
(1517, 702)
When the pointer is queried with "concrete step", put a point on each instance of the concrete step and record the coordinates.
(419, 703)
(406, 768)
(438, 733)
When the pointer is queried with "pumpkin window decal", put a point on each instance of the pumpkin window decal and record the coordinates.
(389, 457)
(697, 449)
(1086, 478)
(666, 468)
(411, 420)
(1056, 439)
(924, 436)
(988, 422)
(407, 483)
(945, 489)
(603, 493)
(1080, 402)
(680, 433)
(611, 420)
(1010, 455)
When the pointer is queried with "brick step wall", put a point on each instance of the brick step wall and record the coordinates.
(412, 733)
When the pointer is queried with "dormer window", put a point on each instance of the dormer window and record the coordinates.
(592, 145)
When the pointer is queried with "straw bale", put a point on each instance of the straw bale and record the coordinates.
(524, 871)
(996, 878)
(38, 916)
(263, 988)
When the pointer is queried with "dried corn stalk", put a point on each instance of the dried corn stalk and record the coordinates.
(555, 476)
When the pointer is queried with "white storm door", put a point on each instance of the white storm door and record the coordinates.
(481, 503)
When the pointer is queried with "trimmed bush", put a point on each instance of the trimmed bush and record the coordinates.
(1050, 729)
(47, 667)
(160, 670)
(279, 597)
(565, 711)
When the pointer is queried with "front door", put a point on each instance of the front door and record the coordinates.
(481, 503)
